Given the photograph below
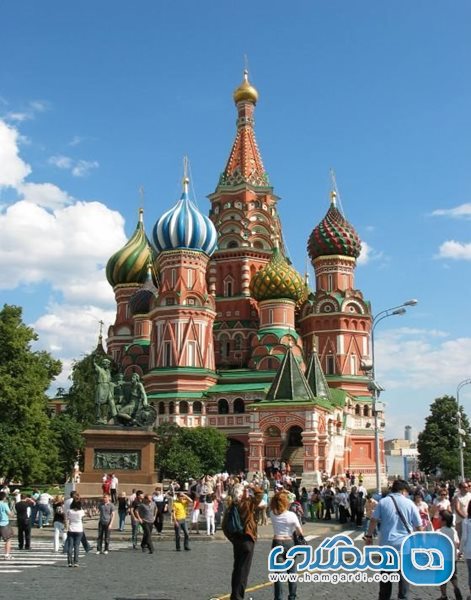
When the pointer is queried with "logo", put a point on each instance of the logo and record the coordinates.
(427, 558)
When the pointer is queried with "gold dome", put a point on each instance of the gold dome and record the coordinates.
(245, 91)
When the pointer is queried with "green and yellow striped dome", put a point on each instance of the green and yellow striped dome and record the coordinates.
(277, 280)
(129, 265)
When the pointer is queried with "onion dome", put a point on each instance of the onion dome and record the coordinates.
(245, 91)
(140, 302)
(277, 280)
(183, 226)
(334, 235)
(129, 265)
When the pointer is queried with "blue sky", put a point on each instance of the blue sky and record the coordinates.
(99, 98)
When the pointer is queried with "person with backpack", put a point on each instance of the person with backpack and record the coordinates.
(240, 527)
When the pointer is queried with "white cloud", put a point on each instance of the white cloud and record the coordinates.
(29, 113)
(83, 167)
(455, 250)
(46, 195)
(66, 247)
(459, 212)
(417, 359)
(46, 236)
(60, 161)
(368, 254)
(78, 168)
(76, 140)
(12, 168)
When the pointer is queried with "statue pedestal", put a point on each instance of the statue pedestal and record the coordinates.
(125, 451)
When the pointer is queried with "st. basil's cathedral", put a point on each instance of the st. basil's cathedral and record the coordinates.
(224, 332)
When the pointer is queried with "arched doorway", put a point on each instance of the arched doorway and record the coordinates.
(295, 436)
(235, 456)
(293, 451)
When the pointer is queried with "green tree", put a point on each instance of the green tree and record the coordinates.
(67, 433)
(438, 443)
(27, 450)
(189, 452)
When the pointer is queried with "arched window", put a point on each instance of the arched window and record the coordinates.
(357, 409)
(366, 411)
(184, 408)
(238, 341)
(232, 244)
(171, 408)
(223, 407)
(197, 408)
(161, 408)
(224, 346)
(239, 406)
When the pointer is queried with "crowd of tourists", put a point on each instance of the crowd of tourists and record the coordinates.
(202, 506)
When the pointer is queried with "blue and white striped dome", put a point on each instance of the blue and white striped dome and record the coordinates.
(183, 226)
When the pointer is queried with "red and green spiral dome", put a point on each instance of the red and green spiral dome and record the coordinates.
(334, 235)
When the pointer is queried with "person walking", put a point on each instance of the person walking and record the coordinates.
(145, 514)
(465, 544)
(441, 502)
(114, 488)
(106, 512)
(448, 530)
(179, 511)
(135, 524)
(74, 532)
(123, 507)
(285, 524)
(398, 516)
(246, 500)
(58, 521)
(23, 522)
(6, 531)
(460, 505)
(161, 503)
(44, 509)
(210, 513)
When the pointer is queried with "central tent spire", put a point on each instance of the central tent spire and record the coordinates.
(245, 163)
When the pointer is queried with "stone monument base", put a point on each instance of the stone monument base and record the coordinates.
(128, 452)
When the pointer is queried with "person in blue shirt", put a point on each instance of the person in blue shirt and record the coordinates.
(6, 532)
(393, 530)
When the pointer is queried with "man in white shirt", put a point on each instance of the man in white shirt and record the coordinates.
(44, 509)
(114, 488)
(460, 505)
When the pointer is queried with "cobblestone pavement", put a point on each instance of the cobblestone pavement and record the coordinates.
(202, 574)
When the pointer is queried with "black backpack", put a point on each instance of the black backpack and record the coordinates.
(233, 523)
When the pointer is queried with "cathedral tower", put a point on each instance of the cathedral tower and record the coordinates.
(243, 209)
(182, 351)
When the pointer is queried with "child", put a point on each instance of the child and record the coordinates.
(448, 530)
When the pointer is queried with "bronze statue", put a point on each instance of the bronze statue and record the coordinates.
(104, 395)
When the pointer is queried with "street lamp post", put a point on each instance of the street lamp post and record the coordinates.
(373, 385)
(461, 432)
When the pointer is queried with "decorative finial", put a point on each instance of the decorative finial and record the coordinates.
(333, 198)
(314, 345)
(100, 334)
(141, 215)
(186, 179)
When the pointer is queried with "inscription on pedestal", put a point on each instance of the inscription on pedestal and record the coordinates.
(117, 460)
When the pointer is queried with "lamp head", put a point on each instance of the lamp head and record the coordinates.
(366, 364)
(399, 311)
(411, 302)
